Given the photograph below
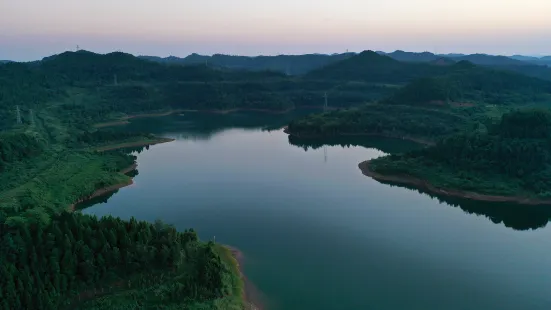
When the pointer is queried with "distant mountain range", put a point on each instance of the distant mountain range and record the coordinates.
(479, 59)
(303, 64)
(369, 66)
(539, 67)
(530, 66)
(289, 64)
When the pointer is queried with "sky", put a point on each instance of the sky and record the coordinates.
(32, 29)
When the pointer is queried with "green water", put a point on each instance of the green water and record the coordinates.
(318, 235)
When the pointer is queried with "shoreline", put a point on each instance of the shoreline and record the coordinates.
(124, 120)
(100, 192)
(133, 144)
(416, 140)
(107, 189)
(250, 294)
(416, 182)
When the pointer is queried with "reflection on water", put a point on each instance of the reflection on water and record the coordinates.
(318, 234)
(386, 145)
(95, 201)
(515, 216)
(204, 125)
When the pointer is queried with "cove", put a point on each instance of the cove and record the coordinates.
(318, 234)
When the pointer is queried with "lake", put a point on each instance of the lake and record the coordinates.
(318, 234)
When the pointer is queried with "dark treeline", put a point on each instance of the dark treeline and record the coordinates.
(512, 158)
(474, 85)
(384, 120)
(288, 64)
(369, 66)
(385, 145)
(301, 64)
(457, 100)
(88, 87)
(529, 66)
(87, 68)
(76, 258)
(515, 216)
(85, 87)
(104, 136)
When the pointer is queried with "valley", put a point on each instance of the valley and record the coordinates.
(75, 127)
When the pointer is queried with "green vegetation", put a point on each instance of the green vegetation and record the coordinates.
(465, 98)
(81, 261)
(472, 85)
(288, 64)
(395, 121)
(468, 113)
(529, 66)
(52, 156)
(369, 66)
(512, 159)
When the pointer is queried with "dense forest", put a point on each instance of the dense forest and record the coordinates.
(16, 146)
(529, 66)
(471, 85)
(303, 64)
(397, 121)
(512, 158)
(78, 261)
(86, 87)
(52, 156)
(465, 98)
(368, 66)
(288, 64)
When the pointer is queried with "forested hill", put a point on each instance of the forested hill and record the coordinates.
(430, 108)
(88, 87)
(81, 262)
(512, 158)
(371, 67)
(529, 66)
(84, 66)
(288, 64)
(52, 157)
(473, 85)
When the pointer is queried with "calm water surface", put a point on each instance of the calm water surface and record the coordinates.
(318, 235)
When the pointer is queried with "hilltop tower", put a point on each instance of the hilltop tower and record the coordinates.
(18, 115)
(31, 116)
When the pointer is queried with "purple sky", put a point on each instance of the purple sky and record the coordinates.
(32, 29)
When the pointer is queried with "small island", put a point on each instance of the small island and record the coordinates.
(510, 161)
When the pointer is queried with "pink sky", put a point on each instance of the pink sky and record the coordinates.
(32, 29)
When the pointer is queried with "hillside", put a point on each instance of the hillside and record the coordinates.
(490, 60)
(529, 66)
(369, 66)
(97, 87)
(429, 109)
(509, 162)
(412, 57)
(77, 261)
(472, 85)
(394, 121)
(288, 64)
(48, 109)
(545, 61)
(52, 157)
